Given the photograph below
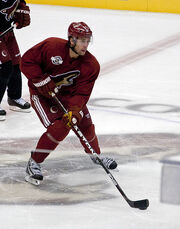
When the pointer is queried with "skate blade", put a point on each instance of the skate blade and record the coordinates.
(115, 170)
(32, 180)
(2, 118)
(18, 109)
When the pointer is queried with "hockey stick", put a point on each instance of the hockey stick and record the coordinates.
(8, 30)
(141, 204)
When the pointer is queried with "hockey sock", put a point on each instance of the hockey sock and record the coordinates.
(89, 133)
(50, 140)
(44, 147)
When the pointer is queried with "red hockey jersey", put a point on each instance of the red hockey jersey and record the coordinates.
(74, 77)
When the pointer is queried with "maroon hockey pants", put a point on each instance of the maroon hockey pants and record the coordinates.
(50, 116)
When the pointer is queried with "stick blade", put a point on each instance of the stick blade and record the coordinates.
(141, 204)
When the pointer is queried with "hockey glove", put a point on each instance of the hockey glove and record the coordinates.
(73, 117)
(22, 16)
(45, 86)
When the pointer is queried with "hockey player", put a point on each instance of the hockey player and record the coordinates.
(66, 68)
(12, 11)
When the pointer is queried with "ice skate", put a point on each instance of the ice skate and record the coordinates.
(107, 161)
(2, 114)
(33, 173)
(19, 105)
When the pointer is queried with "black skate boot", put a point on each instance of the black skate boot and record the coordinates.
(19, 105)
(107, 161)
(2, 114)
(33, 172)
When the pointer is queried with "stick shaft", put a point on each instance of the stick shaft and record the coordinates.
(7, 30)
(86, 145)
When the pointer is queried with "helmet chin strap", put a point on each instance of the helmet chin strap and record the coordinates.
(73, 47)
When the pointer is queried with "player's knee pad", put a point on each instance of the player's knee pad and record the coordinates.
(57, 130)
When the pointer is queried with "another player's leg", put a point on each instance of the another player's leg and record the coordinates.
(5, 73)
(88, 129)
(16, 103)
(14, 91)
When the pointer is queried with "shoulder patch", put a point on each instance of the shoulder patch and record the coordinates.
(56, 60)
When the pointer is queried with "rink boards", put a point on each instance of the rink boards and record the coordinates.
(170, 6)
(170, 186)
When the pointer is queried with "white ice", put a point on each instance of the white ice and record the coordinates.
(136, 97)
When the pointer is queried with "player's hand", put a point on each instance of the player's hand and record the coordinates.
(22, 16)
(45, 86)
(73, 117)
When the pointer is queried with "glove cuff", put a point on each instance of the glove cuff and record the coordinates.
(22, 11)
(43, 82)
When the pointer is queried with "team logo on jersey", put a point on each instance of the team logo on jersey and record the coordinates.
(9, 11)
(65, 79)
(57, 60)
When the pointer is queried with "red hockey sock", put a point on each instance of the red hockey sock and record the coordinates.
(44, 147)
(90, 135)
(50, 140)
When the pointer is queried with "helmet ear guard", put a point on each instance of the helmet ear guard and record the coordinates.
(74, 39)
